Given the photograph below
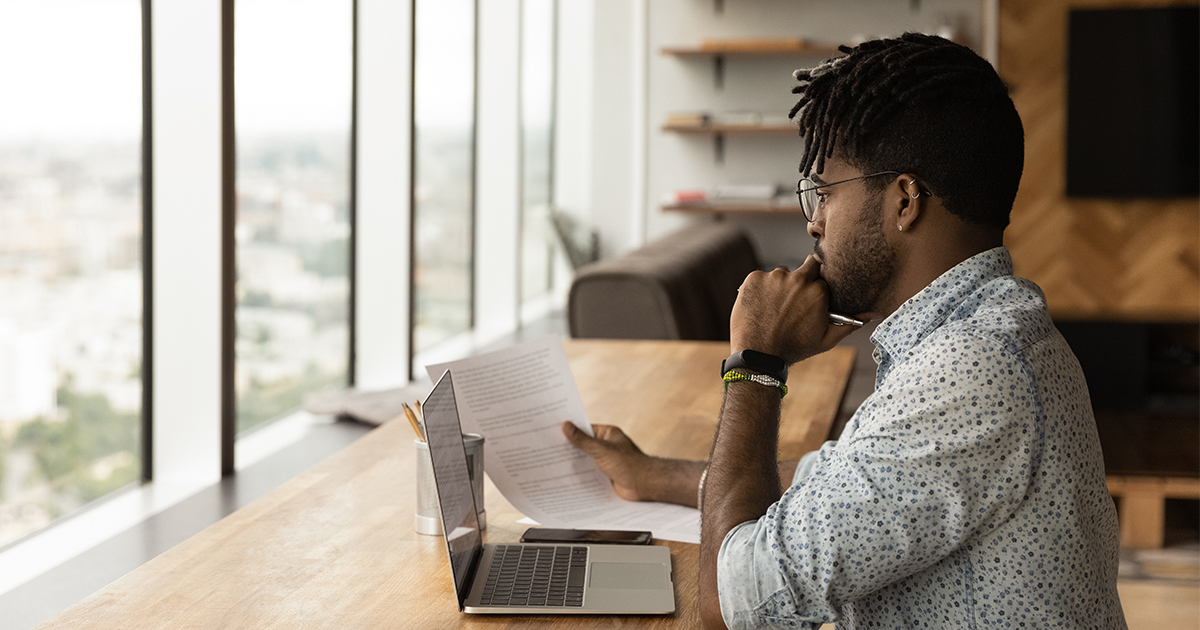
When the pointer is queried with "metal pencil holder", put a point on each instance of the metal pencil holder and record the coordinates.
(428, 518)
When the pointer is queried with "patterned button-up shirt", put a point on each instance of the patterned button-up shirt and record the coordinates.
(967, 492)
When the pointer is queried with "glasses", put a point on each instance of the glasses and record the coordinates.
(810, 199)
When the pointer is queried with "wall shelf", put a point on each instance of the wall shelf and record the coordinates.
(748, 130)
(719, 132)
(702, 122)
(753, 48)
(718, 49)
(719, 209)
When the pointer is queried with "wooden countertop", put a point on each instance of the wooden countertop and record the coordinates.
(335, 547)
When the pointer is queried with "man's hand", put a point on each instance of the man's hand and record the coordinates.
(635, 475)
(616, 456)
(785, 313)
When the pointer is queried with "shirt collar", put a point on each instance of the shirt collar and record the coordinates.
(924, 312)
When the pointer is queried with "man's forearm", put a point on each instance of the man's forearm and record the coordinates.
(673, 480)
(678, 480)
(743, 478)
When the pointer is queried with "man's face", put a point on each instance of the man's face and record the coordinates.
(857, 262)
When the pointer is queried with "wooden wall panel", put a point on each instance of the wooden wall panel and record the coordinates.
(1095, 259)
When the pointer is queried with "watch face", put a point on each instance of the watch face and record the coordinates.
(761, 361)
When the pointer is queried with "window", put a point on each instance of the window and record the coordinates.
(443, 171)
(293, 93)
(71, 281)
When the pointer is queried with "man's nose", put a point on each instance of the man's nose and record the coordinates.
(815, 229)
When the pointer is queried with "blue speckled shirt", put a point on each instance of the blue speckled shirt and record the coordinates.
(967, 492)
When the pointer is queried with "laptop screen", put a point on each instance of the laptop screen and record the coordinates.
(459, 518)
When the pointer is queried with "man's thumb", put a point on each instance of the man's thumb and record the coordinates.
(577, 438)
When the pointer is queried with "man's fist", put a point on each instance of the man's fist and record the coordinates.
(785, 313)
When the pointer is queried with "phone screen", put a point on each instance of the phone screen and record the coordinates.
(592, 536)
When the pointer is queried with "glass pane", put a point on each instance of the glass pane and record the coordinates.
(293, 89)
(444, 157)
(537, 137)
(70, 256)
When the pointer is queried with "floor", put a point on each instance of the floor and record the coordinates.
(1160, 590)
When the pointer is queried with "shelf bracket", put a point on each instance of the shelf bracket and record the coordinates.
(719, 147)
(719, 71)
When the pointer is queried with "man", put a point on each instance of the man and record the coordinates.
(968, 491)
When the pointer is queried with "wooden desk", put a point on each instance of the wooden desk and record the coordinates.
(335, 547)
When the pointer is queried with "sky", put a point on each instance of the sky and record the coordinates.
(293, 66)
(71, 69)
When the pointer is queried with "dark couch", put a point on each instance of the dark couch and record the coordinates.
(682, 286)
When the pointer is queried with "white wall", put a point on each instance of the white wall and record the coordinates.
(599, 133)
(497, 167)
(595, 142)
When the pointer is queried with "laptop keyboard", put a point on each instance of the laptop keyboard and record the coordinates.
(536, 575)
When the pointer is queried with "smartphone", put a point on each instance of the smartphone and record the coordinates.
(589, 536)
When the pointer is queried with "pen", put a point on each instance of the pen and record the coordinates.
(842, 320)
(412, 419)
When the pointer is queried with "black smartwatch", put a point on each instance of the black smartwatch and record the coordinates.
(759, 362)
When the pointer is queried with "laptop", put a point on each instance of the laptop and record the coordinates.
(526, 578)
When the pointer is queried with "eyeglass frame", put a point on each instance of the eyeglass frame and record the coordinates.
(810, 213)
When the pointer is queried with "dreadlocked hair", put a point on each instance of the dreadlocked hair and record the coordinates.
(922, 105)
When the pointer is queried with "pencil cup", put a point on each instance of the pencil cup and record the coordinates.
(428, 517)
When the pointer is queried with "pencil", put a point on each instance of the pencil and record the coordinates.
(412, 419)
(842, 320)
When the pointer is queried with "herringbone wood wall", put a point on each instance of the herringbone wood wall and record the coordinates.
(1095, 259)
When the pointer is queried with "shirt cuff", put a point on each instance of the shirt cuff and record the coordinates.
(736, 586)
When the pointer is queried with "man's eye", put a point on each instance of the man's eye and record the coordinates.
(821, 198)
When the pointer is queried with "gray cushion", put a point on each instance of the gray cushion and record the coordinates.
(682, 286)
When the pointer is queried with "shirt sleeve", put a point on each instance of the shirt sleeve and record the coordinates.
(808, 462)
(943, 451)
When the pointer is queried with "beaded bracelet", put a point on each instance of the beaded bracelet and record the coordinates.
(761, 379)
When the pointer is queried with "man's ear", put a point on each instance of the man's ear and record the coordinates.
(910, 201)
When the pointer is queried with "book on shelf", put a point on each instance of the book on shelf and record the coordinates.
(733, 194)
(688, 119)
(682, 197)
(786, 204)
(738, 119)
(782, 202)
(744, 192)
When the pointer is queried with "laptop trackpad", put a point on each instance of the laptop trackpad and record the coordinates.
(630, 575)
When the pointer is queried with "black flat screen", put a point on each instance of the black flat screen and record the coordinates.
(1133, 103)
(450, 473)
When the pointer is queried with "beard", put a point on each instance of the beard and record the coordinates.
(858, 275)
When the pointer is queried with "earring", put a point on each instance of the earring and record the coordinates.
(901, 226)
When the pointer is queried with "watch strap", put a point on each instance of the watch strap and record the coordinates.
(756, 361)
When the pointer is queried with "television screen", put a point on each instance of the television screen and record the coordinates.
(1133, 103)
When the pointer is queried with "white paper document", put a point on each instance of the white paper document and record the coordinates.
(517, 399)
